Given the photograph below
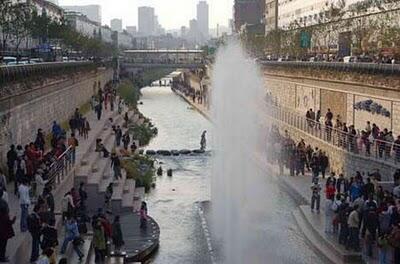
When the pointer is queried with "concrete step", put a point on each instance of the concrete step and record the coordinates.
(316, 223)
(314, 240)
(127, 196)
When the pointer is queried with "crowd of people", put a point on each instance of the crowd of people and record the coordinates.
(31, 168)
(371, 138)
(357, 208)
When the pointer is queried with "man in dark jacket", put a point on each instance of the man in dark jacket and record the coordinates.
(324, 163)
(35, 228)
(11, 158)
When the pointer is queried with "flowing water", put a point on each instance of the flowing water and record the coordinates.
(253, 213)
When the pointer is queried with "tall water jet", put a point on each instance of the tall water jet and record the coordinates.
(239, 186)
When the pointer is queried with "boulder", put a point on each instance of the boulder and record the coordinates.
(150, 152)
(198, 151)
(175, 152)
(185, 151)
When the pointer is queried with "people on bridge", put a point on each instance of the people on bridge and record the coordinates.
(203, 140)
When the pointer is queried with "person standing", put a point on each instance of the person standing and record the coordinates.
(98, 109)
(24, 201)
(20, 172)
(107, 196)
(35, 228)
(143, 215)
(73, 143)
(11, 158)
(83, 194)
(126, 139)
(116, 165)
(117, 237)
(118, 136)
(324, 163)
(315, 195)
(329, 213)
(99, 242)
(86, 128)
(6, 231)
(354, 225)
(203, 141)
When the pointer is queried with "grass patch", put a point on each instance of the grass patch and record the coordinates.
(141, 169)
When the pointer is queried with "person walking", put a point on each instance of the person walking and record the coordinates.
(40, 140)
(98, 109)
(24, 201)
(86, 128)
(72, 235)
(35, 228)
(116, 166)
(99, 242)
(83, 194)
(20, 172)
(117, 237)
(40, 182)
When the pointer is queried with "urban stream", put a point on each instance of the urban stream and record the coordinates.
(173, 203)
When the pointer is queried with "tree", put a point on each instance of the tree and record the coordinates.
(21, 17)
(5, 22)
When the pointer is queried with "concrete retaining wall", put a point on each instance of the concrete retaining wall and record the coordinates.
(19, 123)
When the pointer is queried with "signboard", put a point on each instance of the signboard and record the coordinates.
(305, 39)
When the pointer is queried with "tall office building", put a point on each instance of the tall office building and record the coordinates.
(248, 12)
(146, 21)
(93, 12)
(116, 24)
(202, 19)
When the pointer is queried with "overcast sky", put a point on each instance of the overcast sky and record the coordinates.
(172, 14)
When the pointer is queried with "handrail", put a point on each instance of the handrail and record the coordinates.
(61, 166)
(359, 67)
(380, 150)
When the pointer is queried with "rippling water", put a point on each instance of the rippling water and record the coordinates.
(173, 202)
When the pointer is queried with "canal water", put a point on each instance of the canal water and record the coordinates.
(174, 201)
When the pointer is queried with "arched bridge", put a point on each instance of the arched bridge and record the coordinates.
(189, 59)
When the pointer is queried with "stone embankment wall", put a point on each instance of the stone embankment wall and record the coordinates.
(300, 93)
(23, 114)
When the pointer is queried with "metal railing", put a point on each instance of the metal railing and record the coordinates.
(380, 150)
(61, 167)
(359, 67)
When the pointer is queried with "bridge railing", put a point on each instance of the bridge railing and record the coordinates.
(377, 149)
(60, 168)
(370, 68)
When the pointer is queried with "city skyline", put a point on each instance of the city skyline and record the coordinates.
(220, 11)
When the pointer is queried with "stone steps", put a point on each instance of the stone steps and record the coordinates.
(128, 194)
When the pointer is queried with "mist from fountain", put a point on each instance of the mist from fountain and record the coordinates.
(239, 186)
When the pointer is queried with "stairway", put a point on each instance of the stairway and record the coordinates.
(96, 172)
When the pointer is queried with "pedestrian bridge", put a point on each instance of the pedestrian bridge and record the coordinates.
(163, 59)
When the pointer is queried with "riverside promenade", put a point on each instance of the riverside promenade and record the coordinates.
(139, 243)
(311, 224)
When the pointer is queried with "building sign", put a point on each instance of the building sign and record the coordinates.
(305, 39)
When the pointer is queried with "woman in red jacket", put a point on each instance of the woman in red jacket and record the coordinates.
(330, 191)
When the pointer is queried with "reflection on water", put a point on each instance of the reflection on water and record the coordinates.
(173, 202)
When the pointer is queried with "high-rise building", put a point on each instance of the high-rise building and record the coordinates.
(93, 12)
(194, 33)
(271, 15)
(116, 24)
(131, 30)
(146, 21)
(248, 12)
(202, 19)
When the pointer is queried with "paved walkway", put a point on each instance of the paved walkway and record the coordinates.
(19, 246)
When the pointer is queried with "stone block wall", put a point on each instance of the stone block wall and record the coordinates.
(20, 122)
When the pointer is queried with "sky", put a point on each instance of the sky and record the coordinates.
(172, 14)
